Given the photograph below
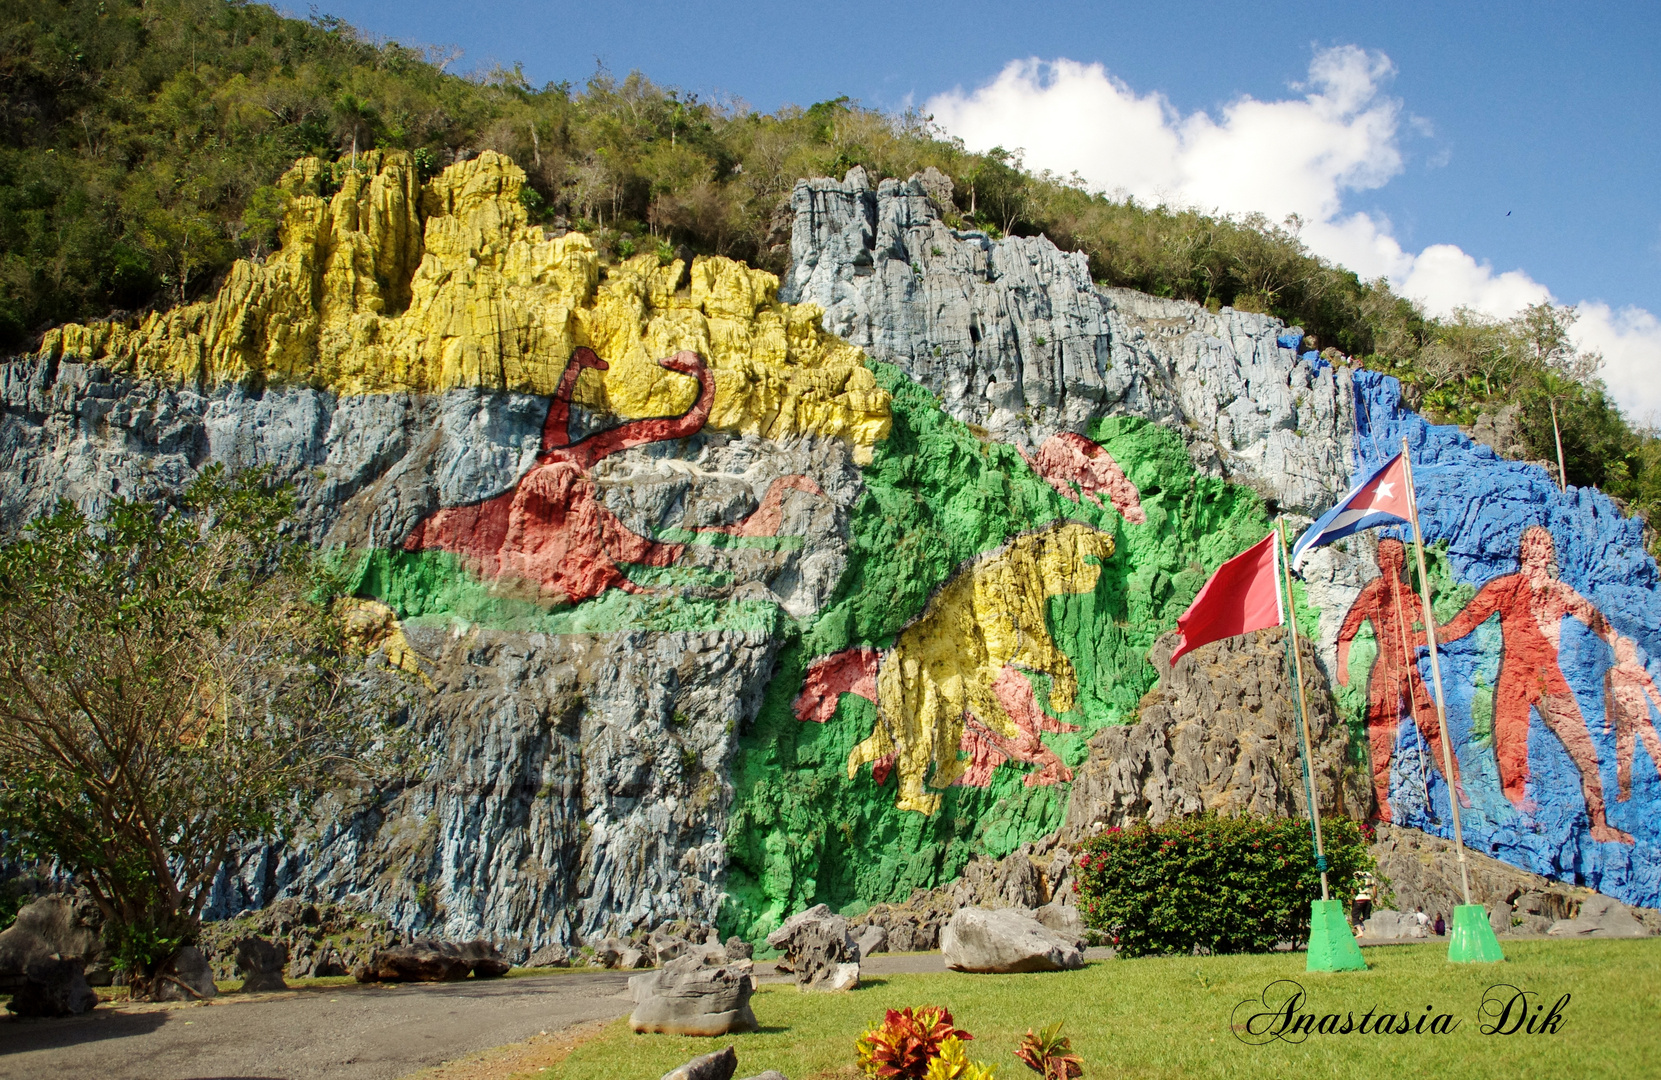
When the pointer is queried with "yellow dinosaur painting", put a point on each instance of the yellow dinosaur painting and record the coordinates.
(956, 678)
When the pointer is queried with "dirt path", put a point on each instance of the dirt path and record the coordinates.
(337, 1033)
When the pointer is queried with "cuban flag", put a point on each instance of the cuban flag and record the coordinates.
(1381, 499)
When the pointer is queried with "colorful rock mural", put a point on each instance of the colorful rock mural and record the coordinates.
(724, 615)
(1549, 611)
(958, 679)
(1394, 686)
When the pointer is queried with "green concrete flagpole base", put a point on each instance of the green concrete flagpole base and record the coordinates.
(1473, 940)
(1332, 944)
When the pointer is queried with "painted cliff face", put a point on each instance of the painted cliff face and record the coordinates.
(1549, 618)
(960, 677)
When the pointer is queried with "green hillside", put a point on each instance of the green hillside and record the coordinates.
(139, 142)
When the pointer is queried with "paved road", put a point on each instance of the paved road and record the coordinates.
(334, 1033)
(360, 1033)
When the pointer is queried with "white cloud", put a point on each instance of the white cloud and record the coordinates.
(1300, 155)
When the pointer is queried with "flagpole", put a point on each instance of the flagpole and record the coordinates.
(1303, 707)
(1436, 674)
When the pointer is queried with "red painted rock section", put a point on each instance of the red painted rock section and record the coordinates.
(1068, 459)
(551, 529)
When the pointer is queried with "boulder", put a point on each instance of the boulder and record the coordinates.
(606, 952)
(1064, 919)
(666, 947)
(632, 959)
(261, 963)
(739, 949)
(419, 961)
(485, 959)
(1385, 924)
(689, 997)
(872, 939)
(719, 1065)
(770, 1074)
(53, 987)
(550, 956)
(187, 977)
(1005, 941)
(1600, 917)
(819, 949)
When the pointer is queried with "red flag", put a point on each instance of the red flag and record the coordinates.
(1242, 596)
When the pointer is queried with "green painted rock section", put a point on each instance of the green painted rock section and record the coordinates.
(938, 496)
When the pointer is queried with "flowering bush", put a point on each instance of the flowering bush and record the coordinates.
(1224, 884)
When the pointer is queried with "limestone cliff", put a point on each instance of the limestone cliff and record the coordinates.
(729, 597)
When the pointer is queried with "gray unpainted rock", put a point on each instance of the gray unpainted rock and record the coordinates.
(689, 997)
(57, 925)
(770, 1074)
(719, 1065)
(872, 939)
(1600, 916)
(1064, 919)
(1219, 733)
(1015, 337)
(549, 956)
(260, 963)
(819, 949)
(484, 959)
(191, 977)
(1005, 941)
(1387, 924)
(419, 961)
(53, 987)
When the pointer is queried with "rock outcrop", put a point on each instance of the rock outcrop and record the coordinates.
(819, 949)
(691, 997)
(1220, 734)
(1005, 942)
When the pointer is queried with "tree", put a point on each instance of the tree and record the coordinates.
(173, 685)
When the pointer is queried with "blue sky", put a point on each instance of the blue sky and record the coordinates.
(1503, 137)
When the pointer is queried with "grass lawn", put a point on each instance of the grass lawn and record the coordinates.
(1170, 1017)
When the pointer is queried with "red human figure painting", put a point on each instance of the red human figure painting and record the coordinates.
(551, 530)
(1627, 692)
(1531, 605)
(1395, 687)
(1070, 458)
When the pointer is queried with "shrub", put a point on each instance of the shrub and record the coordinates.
(1050, 1054)
(1219, 884)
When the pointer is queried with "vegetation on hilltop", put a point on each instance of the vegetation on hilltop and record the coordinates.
(139, 140)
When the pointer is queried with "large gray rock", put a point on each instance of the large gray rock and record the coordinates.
(187, 977)
(872, 939)
(1015, 337)
(689, 997)
(484, 959)
(52, 926)
(719, 1065)
(53, 987)
(1005, 941)
(419, 961)
(260, 963)
(819, 949)
(1064, 919)
(1601, 916)
(1219, 733)
(1387, 924)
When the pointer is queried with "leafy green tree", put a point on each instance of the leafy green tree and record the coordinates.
(174, 685)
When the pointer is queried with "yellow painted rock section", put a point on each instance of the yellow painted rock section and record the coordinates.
(368, 625)
(987, 616)
(393, 285)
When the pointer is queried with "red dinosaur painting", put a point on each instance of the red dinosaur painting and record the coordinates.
(551, 529)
